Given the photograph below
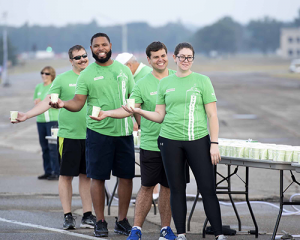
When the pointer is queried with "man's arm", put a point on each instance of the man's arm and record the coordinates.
(116, 113)
(38, 109)
(73, 105)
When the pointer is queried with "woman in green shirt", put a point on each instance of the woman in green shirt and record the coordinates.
(185, 101)
(45, 122)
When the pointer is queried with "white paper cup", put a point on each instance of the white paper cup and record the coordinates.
(13, 116)
(54, 97)
(54, 132)
(131, 103)
(96, 111)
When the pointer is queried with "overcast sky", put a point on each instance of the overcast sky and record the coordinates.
(155, 12)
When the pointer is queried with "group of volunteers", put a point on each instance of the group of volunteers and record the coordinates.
(171, 108)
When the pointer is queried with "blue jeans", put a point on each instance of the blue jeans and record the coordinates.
(50, 154)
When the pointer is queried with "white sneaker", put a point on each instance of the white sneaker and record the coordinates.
(181, 237)
(222, 237)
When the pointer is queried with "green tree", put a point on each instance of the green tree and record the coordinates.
(224, 36)
(264, 34)
(10, 50)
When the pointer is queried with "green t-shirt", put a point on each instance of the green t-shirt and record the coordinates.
(141, 72)
(52, 114)
(185, 98)
(145, 92)
(106, 87)
(71, 124)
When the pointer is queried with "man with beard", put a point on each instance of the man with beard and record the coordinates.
(71, 140)
(109, 143)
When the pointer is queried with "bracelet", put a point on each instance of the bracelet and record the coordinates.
(214, 143)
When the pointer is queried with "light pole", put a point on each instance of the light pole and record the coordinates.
(5, 80)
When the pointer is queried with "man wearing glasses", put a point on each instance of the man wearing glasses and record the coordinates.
(71, 140)
(109, 143)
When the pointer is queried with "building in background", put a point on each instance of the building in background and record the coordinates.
(290, 42)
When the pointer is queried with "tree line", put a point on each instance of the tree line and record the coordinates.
(225, 36)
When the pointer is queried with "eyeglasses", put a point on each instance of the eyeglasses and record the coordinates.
(183, 58)
(47, 74)
(79, 57)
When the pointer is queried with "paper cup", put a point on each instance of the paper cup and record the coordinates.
(263, 154)
(239, 151)
(130, 103)
(13, 116)
(54, 97)
(279, 155)
(135, 138)
(96, 111)
(254, 153)
(54, 132)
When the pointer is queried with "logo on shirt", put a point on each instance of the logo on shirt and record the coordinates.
(72, 85)
(39, 93)
(98, 78)
(170, 90)
(213, 94)
(153, 93)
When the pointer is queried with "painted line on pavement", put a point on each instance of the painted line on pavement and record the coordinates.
(51, 229)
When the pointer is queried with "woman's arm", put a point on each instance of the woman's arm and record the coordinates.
(211, 111)
(157, 116)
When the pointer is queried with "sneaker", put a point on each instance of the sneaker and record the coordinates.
(135, 234)
(69, 222)
(122, 227)
(167, 233)
(53, 177)
(221, 237)
(44, 176)
(88, 222)
(181, 237)
(100, 229)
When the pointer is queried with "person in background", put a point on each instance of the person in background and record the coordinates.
(45, 122)
(185, 101)
(138, 69)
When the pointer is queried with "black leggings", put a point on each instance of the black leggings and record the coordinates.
(174, 154)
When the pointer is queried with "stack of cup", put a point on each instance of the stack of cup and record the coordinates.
(13, 116)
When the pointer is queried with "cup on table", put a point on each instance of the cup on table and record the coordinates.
(96, 111)
(13, 116)
(54, 132)
(54, 97)
(131, 103)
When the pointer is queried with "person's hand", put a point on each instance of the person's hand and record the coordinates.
(21, 118)
(215, 154)
(131, 110)
(59, 104)
(102, 115)
(36, 101)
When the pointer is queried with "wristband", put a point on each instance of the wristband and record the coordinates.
(214, 143)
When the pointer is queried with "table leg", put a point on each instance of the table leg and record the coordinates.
(281, 205)
(112, 196)
(248, 203)
(192, 211)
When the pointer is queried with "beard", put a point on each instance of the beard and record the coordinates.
(102, 60)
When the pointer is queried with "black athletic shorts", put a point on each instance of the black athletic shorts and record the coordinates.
(71, 156)
(152, 169)
(106, 154)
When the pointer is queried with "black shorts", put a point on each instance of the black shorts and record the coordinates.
(71, 156)
(106, 154)
(152, 169)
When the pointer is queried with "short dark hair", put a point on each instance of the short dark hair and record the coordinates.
(76, 47)
(154, 47)
(99, 35)
(183, 45)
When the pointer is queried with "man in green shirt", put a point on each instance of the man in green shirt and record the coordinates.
(139, 70)
(109, 144)
(71, 141)
(152, 169)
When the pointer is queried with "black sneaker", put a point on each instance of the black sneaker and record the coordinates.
(88, 222)
(122, 227)
(69, 222)
(44, 176)
(100, 229)
(53, 177)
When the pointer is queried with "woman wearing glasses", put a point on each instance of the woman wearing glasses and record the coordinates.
(45, 121)
(185, 101)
